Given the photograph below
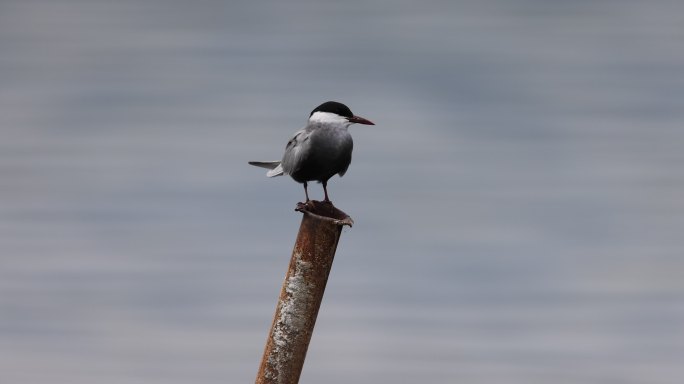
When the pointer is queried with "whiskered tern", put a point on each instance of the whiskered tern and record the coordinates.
(322, 149)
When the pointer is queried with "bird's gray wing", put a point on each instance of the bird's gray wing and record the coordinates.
(295, 151)
(277, 171)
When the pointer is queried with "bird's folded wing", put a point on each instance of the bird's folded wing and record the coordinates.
(296, 150)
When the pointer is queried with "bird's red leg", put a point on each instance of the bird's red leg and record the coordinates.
(325, 191)
(306, 192)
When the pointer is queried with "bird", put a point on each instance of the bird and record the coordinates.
(319, 151)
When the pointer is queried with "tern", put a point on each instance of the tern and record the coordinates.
(321, 150)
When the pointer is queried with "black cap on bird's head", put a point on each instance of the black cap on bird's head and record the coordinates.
(333, 107)
(341, 110)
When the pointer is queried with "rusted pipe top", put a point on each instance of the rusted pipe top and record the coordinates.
(325, 211)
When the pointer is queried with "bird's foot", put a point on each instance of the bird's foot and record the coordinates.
(307, 203)
(325, 209)
(315, 205)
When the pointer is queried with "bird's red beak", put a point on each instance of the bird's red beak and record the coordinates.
(360, 120)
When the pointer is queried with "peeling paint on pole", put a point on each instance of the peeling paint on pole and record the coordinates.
(302, 293)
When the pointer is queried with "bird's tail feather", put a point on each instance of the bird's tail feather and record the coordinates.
(265, 164)
(275, 168)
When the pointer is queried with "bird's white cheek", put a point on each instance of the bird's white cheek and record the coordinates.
(328, 118)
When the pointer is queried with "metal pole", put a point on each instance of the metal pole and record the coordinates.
(302, 292)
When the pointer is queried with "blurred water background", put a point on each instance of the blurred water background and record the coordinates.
(519, 205)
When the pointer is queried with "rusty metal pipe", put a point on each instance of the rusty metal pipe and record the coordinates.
(302, 293)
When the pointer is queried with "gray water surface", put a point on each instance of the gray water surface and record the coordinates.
(519, 205)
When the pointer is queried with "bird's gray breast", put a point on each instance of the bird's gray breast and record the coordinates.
(325, 152)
